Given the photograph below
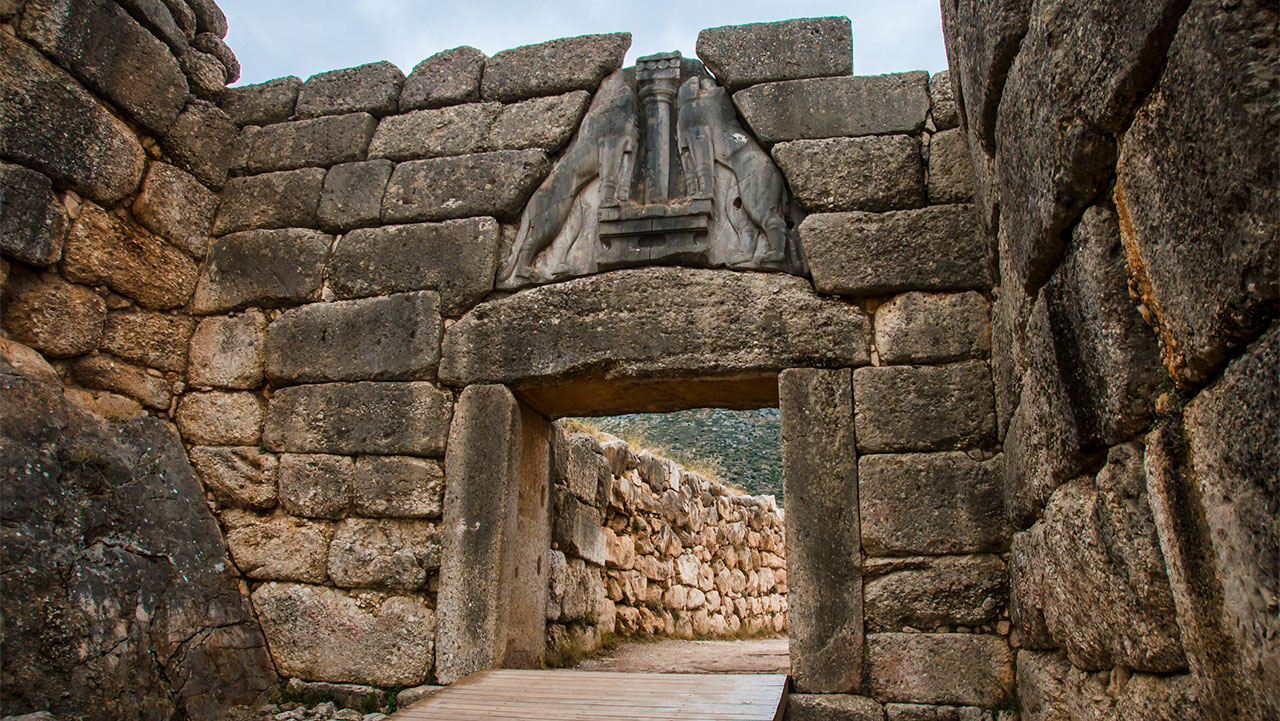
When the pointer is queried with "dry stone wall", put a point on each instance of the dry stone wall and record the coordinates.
(643, 547)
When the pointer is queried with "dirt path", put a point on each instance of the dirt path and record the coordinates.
(767, 655)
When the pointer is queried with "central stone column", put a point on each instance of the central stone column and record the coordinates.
(658, 78)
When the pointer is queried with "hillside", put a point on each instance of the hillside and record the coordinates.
(742, 448)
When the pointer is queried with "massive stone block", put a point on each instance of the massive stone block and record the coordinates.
(982, 40)
(277, 547)
(398, 487)
(391, 418)
(1050, 689)
(102, 372)
(53, 316)
(937, 248)
(457, 258)
(316, 632)
(228, 351)
(262, 103)
(648, 326)
(1199, 193)
(453, 130)
(316, 485)
(963, 669)
(262, 268)
(1097, 541)
(873, 173)
(33, 223)
(553, 67)
(100, 44)
(377, 339)
(926, 593)
(155, 16)
(52, 124)
(219, 418)
(820, 478)
(926, 503)
(103, 249)
(202, 142)
(286, 199)
(467, 185)
(834, 107)
(176, 206)
(481, 493)
(238, 477)
(578, 528)
(156, 340)
(580, 466)
(545, 123)
(352, 195)
(833, 707)
(317, 142)
(743, 55)
(373, 88)
(446, 78)
(114, 570)
(1062, 107)
(950, 170)
(933, 328)
(384, 553)
(924, 408)
(942, 98)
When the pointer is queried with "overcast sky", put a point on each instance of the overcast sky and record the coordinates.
(273, 38)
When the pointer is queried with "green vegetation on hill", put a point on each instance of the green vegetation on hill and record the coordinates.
(740, 448)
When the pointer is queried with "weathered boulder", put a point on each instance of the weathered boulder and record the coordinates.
(578, 529)
(262, 103)
(390, 418)
(54, 125)
(1049, 689)
(53, 316)
(384, 553)
(202, 141)
(373, 88)
(277, 547)
(155, 340)
(743, 55)
(924, 408)
(206, 76)
(238, 477)
(262, 268)
(398, 487)
(963, 669)
(33, 223)
(220, 418)
(942, 99)
(316, 142)
(835, 107)
(446, 78)
(228, 351)
(553, 67)
(631, 328)
(177, 207)
(316, 485)
(103, 249)
(103, 372)
(982, 41)
(580, 466)
(871, 173)
(933, 328)
(395, 337)
(463, 186)
(119, 594)
(368, 638)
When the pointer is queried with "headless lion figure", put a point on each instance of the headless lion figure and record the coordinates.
(605, 148)
(708, 133)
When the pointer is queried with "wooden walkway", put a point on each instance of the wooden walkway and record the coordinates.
(509, 695)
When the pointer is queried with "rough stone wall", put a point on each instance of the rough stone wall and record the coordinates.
(121, 601)
(1128, 178)
(642, 546)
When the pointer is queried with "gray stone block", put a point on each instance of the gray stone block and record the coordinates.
(277, 547)
(942, 99)
(238, 477)
(206, 76)
(209, 17)
(262, 103)
(111, 53)
(318, 142)
(228, 351)
(375, 339)
(102, 372)
(937, 248)
(545, 123)
(384, 553)
(457, 258)
(183, 16)
(832, 707)
(156, 17)
(962, 669)
(33, 223)
(220, 418)
(483, 467)
(1095, 542)
(924, 408)
(155, 340)
(262, 268)
(553, 67)
(102, 249)
(387, 418)
(454, 130)
(373, 88)
(927, 593)
(317, 632)
(285, 199)
(315, 485)
(214, 45)
(834, 107)
(950, 170)
(872, 173)
(447, 78)
(579, 466)
(933, 328)
(202, 141)
(177, 207)
(1049, 688)
(577, 529)
(927, 503)
(398, 487)
(743, 55)
(463, 186)
(352, 195)
(820, 478)
(989, 31)
(53, 125)
(53, 316)
(1207, 268)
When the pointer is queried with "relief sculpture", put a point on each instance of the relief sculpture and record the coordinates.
(661, 172)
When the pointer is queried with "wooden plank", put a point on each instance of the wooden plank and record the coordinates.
(496, 695)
